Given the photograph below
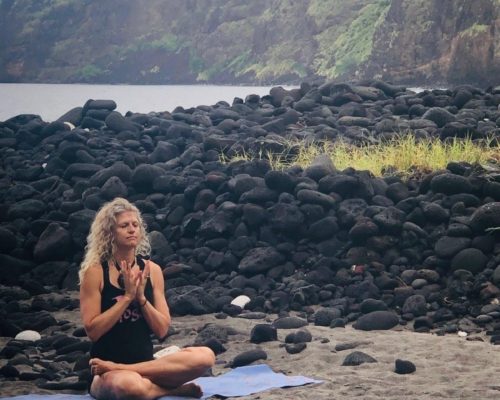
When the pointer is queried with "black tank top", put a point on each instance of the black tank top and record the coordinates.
(129, 340)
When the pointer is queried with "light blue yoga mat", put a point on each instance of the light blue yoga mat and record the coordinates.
(242, 381)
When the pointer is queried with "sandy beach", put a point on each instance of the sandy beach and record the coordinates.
(447, 367)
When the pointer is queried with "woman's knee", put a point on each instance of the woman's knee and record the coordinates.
(204, 357)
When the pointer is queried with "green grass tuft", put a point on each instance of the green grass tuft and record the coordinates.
(404, 155)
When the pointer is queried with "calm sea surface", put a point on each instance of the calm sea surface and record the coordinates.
(51, 101)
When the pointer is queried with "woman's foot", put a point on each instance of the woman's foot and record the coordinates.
(99, 367)
(187, 390)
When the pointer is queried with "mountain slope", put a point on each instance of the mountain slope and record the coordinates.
(236, 41)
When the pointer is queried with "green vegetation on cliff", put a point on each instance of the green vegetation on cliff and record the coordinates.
(235, 41)
(355, 45)
(475, 29)
(343, 48)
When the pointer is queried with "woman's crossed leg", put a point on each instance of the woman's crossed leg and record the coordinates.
(152, 379)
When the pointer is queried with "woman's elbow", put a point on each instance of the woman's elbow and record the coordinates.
(162, 331)
(92, 334)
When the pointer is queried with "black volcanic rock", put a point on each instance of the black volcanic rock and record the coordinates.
(8, 240)
(113, 188)
(22, 191)
(144, 175)
(439, 115)
(287, 218)
(263, 333)
(362, 230)
(300, 336)
(53, 244)
(289, 323)
(415, 305)
(11, 268)
(50, 273)
(28, 208)
(390, 220)
(118, 123)
(357, 358)
(370, 305)
(259, 259)
(404, 367)
(377, 320)
(295, 348)
(486, 216)
(79, 223)
(314, 197)
(248, 357)
(190, 300)
(450, 184)
(279, 181)
(325, 316)
(118, 170)
(212, 331)
(323, 229)
(447, 246)
(470, 259)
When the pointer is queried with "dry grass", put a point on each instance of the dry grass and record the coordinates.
(403, 155)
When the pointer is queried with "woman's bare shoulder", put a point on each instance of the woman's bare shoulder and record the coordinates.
(93, 273)
(153, 265)
(94, 269)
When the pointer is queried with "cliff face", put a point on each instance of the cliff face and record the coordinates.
(447, 41)
(236, 41)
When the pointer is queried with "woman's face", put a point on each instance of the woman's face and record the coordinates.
(127, 230)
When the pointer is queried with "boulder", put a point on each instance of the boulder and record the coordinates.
(357, 358)
(248, 357)
(259, 259)
(263, 333)
(53, 244)
(377, 320)
(470, 259)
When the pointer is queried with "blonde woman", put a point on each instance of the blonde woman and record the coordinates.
(122, 301)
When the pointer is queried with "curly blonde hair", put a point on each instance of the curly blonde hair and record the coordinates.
(100, 240)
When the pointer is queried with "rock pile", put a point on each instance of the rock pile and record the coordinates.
(379, 251)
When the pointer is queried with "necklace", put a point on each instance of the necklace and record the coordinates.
(121, 280)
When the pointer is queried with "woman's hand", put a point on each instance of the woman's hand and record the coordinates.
(142, 280)
(130, 280)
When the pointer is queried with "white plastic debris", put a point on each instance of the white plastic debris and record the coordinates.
(241, 301)
(462, 333)
(31, 336)
(166, 351)
(69, 125)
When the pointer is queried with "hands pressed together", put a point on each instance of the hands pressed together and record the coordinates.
(134, 281)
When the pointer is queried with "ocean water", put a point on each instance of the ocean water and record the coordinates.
(50, 101)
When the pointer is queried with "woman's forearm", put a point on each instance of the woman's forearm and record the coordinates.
(158, 322)
(105, 321)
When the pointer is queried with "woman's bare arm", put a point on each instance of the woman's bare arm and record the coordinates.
(96, 323)
(157, 315)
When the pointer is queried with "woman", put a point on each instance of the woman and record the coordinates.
(122, 301)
